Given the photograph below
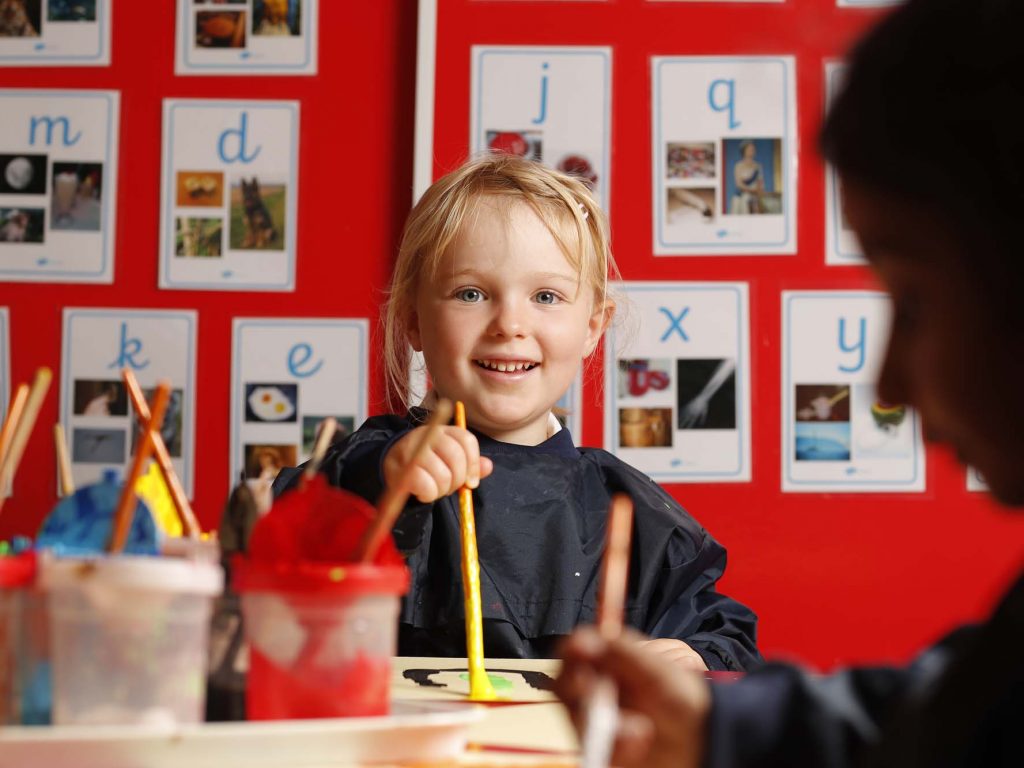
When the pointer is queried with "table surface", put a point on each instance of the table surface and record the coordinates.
(528, 726)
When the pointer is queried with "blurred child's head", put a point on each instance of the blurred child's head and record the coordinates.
(531, 246)
(932, 171)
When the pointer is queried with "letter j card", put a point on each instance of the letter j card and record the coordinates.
(837, 435)
(229, 192)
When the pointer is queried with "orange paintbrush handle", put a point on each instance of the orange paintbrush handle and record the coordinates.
(125, 511)
(67, 482)
(11, 421)
(23, 429)
(163, 458)
(615, 567)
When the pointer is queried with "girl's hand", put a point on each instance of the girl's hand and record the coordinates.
(675, 651)
(453, 461)
(663, 708)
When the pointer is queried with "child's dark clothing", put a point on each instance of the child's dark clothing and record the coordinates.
(540, 521)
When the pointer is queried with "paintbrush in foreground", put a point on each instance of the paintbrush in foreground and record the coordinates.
(601, 710)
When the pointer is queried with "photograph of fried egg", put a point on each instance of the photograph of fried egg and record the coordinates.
(271, 402)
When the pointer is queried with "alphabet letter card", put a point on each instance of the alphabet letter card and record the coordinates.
(724, 154)
(837, 435)
(677, 398)
(548, 104)
(228, 195)
(62, 33)
(246, 37)
(94, 405)
(287, 376)
(841, 246)
(58, 185)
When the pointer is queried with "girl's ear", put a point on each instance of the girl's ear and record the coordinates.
(598, 323)
(412, 332)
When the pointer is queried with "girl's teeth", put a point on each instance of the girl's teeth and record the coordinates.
(505, 367)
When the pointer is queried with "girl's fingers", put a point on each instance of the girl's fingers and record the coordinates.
(450, 449)
(486, 466)
(440, 475)
(470, 454)
(421, 484)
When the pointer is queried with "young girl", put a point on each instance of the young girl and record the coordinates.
(501, 283)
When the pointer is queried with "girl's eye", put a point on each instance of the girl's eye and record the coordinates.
(547, 297)
(469, 295)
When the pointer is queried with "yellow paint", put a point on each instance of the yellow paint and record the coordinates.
(152, 489)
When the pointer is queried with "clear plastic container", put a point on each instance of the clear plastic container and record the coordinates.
(321, 638)
(129, 638)
(17, 577)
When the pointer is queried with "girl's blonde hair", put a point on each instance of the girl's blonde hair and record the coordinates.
(562, 202)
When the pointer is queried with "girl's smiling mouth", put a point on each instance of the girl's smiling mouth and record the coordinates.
(506, 366)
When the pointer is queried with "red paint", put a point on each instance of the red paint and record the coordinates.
(356, 689)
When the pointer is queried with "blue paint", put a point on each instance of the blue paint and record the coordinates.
(81, 524)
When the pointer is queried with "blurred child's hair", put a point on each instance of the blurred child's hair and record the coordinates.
(921, 116)
(562, 202)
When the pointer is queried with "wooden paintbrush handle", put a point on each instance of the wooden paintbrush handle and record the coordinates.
(125, 512)
(163, 458)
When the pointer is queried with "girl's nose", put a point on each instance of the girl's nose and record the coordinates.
(509, 319)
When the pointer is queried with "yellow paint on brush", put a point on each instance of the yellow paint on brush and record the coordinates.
(480, 688)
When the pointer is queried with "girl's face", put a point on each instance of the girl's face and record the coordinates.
(948, 354)
(506, 325)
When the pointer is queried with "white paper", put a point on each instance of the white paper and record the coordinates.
(724, 155)
(677, 386)
(229, 191)
(64, 33)
(836, 434)
(94, 405)
(287, 376)
(841, 246)
(247, 37)
(549, 104)
(58, 185)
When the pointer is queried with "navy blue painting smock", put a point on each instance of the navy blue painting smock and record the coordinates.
(540, 520)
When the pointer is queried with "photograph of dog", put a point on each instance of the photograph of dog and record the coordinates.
(257, 215)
